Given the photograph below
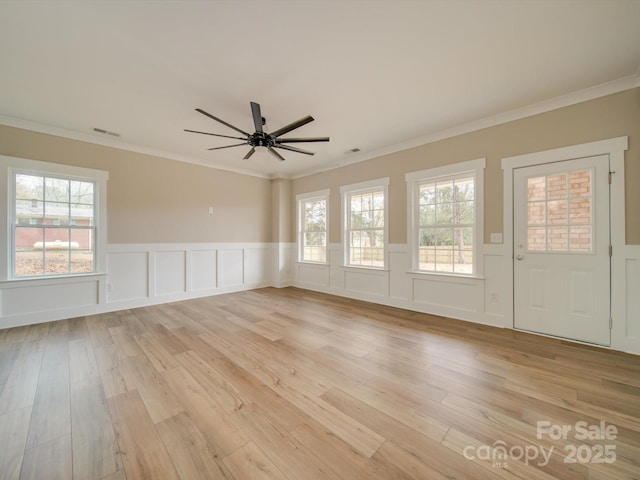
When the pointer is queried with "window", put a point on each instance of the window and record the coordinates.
(53, 219)
(313, 221)
(446, 217)
(559, 212)
(364, 225)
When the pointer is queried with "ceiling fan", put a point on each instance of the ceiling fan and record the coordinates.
(260, 138)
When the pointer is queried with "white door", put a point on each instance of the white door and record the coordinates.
(561, 266)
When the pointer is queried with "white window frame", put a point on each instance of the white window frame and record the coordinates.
(300, 199)
(415, 179)
(9, 166)
(364, 187)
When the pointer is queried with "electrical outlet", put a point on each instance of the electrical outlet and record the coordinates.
(494, 297)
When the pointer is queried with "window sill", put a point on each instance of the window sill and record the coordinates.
(57, 279)
(307, 262)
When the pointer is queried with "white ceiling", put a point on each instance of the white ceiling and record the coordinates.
(374, 74)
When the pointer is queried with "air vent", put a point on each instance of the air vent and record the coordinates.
(106, 132)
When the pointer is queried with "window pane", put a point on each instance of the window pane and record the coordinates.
(377, 238)
(444, 192)
(444, 237)
(536, 189)
(56, 211)
(580, 211)
(536, 238)
(427, 258)
(558, 239)
(580, 183)
(580, 239)
(30, 209)
(444, 260)
(427, 194)
(56, 190)
(56, 250)
(536, 213)
(464, 189)
(81, 193)
(463, 247)
(557, 212)
(427, 215)
(29, 263)
(557, 186)
(464, 213)
(427, 237)
(378, 200)
(82, 215)
(29, 187)
(444, 214)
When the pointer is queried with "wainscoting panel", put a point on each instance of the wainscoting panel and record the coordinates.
(625, 301)
(369, 282)
(33, 301)
(257, 264)
(128, 274)
(312, 276)
(231, 267)
(203, 270)
(171, 268)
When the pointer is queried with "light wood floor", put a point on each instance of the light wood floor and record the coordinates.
(291, 384)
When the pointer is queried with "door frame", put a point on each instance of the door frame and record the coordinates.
(614, 148)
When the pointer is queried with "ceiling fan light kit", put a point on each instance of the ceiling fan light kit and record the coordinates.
(260, 138)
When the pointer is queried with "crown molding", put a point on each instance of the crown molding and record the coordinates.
(590, 93)
(115, 143)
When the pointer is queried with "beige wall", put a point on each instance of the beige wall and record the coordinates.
(156, 200)
(607, 117)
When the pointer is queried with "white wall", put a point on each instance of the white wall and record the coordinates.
(147, 274)
(481, 300)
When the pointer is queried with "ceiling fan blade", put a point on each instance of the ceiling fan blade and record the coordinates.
(294, 149)
(292, 126)
(276, 154)
(251, 152)
(221, 121)
(302, 140)
(213, 134)
(228, 146)
(257, 116)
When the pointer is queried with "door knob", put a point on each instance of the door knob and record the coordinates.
(519, 257)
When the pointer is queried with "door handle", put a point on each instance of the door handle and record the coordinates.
(519, 257)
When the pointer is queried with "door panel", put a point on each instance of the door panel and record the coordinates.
(561, 249)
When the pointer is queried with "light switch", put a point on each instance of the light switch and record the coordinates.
(496, 238)
(210, 210)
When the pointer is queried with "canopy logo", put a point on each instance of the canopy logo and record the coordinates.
(499, 453)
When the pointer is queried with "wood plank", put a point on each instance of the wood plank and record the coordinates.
(116, 377)
(20, 388)
(51, 460)
(82, 362)
(290, 456)
(95, 451)
(143, 454)
(219, 427)
(251, 462)
(158, 355)
(160, 400)
(14, 427)
(189, 451)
